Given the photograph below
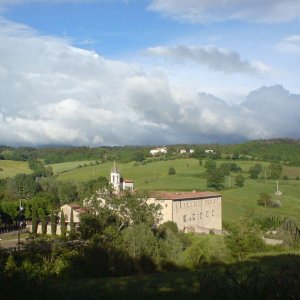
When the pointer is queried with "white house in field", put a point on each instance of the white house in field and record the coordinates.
(207, 151)
(182, 151)
(119, 183)
(156, 151)
(199, 212)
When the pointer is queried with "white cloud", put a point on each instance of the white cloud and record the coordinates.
(203, 11)
(215, 58)
(52, 92)
(290, 44)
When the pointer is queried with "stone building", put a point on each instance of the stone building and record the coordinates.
(199, 212)
(119, 183)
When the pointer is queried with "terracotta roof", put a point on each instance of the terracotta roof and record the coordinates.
(128, 180)
(74, 206)
(80, 210)
(183, 195)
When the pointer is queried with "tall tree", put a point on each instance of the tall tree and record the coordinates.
(53, 223)
(215, 179)
(42, 216)
(63, 223)
(72, 225)
(276, 170)
(34, 221)
(134, 209)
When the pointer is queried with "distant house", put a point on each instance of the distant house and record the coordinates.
(191, 211)
(156, 151)
(209, 151)
(192, 151)
(182, 151)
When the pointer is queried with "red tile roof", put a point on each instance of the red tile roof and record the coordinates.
(183, 195)
(74, 206)
(128, 180)
(81, 210)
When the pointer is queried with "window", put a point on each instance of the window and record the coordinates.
(201, 215)
(207, 214)
(184, 218)
(212, 212)
(166, 205)
(194, 217)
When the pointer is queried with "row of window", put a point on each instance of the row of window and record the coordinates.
(196, 203)
(193, 217)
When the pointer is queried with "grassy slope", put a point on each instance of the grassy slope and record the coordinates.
(70, 165)
(190, 175)
(12, 168)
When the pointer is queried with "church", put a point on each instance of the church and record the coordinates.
(119, 183)
(194, 211)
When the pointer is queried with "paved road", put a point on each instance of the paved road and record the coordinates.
(10, 243)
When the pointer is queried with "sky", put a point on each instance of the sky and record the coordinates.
(148, 72)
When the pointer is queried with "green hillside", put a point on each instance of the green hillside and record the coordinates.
(11, 168)
(190, 176)
(70, 165)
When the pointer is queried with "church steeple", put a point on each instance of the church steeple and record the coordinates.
(115, 177)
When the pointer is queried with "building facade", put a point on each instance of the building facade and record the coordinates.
(199, 212)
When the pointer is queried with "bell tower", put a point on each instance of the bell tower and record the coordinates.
(115, 177)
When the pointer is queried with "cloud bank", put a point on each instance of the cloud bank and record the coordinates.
(215, 58)
(52, 92)
(205, 11)
(290, 45)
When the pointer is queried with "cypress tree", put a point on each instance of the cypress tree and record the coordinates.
(62, 223)
(34, 221)
(53, 223)
(72, 225)
(43, 220)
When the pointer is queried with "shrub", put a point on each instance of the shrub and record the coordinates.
(172, 171)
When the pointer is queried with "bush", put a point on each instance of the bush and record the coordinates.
(239, 180)
(172, 171)
(1, 169)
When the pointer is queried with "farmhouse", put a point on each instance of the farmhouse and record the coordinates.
(199, 212)
(207, 151)
(156, 151)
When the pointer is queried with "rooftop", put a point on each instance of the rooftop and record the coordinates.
(183, 195)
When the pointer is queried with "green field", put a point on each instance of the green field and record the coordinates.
(12, 168)
(191, 176)
(70, 165)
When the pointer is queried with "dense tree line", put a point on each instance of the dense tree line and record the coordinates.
(276, 150)
(41, 193)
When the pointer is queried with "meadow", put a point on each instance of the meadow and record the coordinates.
(190, 175)
(70, 165)
(11, 168)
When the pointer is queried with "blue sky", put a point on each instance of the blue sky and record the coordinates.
(112, 72)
